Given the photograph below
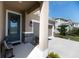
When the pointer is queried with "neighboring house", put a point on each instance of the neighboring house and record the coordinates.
(76, 25)
(61, 21)
(15, 22)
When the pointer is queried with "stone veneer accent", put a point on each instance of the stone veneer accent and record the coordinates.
(28, 37)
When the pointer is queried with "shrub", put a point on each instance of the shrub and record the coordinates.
(53, 55)
(74, 31)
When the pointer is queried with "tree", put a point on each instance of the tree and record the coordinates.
(62, 29)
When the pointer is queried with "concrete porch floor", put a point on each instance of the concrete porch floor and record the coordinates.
(22, 50)
(65, 48)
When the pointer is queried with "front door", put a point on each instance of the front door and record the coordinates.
(13, 27)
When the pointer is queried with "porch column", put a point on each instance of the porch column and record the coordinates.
(53, 31)
(1, 21)
(43, 34)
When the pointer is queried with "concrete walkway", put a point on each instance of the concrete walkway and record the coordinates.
(22, 50)
(65, 48)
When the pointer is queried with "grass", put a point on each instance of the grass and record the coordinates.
(53, 55)
(74, 38)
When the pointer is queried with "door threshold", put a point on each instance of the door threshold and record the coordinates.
(16, 43)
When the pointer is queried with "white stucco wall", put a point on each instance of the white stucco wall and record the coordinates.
(30, 17)
(76, 25)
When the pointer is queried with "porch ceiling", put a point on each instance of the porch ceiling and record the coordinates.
(19, 6)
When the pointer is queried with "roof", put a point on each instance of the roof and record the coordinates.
(62, 19)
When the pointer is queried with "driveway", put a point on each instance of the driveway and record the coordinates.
(65, 48)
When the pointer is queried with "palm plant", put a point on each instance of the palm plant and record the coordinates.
(62, 29)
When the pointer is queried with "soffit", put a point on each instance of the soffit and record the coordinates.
(19, 6)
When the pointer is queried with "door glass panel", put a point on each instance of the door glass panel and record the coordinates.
(13, 27)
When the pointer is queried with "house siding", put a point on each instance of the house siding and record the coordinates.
(2, 25)
(30, 17)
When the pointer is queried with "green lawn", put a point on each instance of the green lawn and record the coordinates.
(74, 38)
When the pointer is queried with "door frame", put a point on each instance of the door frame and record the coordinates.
(6, 25)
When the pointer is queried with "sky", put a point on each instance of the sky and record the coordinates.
(64, 9)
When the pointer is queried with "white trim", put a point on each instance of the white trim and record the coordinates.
(39, 22)
(21, 28)
(27, 32)
(36, 21)
(13, 12)
(6, 30)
